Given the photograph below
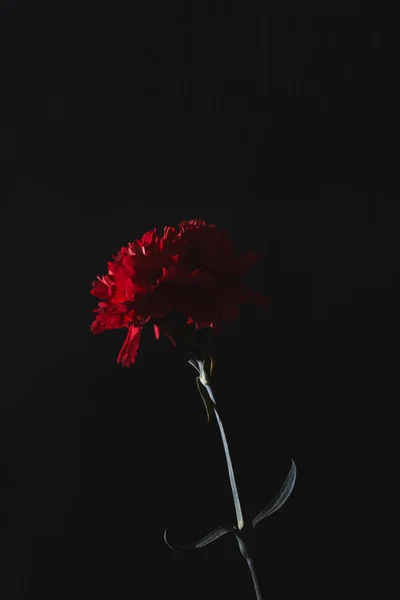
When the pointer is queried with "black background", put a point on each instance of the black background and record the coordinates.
(277, 128)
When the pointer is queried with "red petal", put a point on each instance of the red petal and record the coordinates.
(128, 265)
(171, 339)
(97, 327)
(130, 289)
(100, 290)
(149, 236)
(247, 260)
(156, 332)
(130, 347)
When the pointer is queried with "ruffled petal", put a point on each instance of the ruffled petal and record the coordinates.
(130, 347)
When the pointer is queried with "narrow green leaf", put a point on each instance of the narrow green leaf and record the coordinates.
(210, 537)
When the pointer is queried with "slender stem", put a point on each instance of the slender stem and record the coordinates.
(238, 509)
(239, 516)
(256, 583)
(245, 552)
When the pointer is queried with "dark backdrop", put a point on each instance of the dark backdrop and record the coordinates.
(275, 128)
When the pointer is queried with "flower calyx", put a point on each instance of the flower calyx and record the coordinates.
(204, 367)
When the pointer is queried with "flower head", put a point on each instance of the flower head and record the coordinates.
(191, 270)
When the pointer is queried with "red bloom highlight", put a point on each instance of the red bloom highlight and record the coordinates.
(192, 269)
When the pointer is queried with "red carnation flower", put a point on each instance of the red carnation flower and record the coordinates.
(191, 270)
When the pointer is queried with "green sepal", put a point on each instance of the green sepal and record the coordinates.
(206, 400)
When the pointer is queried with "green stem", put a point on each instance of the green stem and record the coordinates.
(245, 552)
(204, 380)
(256, 583)
(236, 501)
(239, 516)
